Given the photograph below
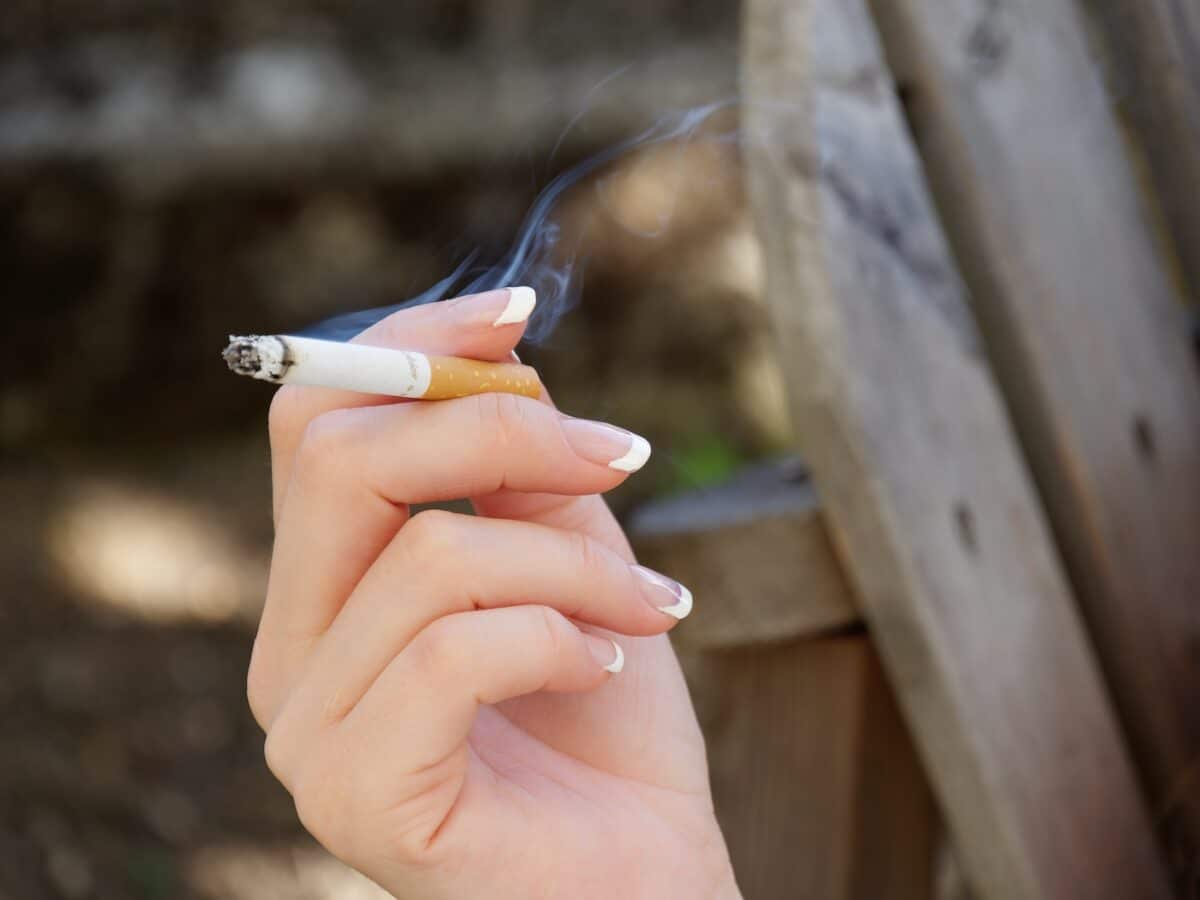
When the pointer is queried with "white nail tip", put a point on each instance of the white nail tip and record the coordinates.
(683, 597)
(639, 452)
(521, 301)
(619, 663)
(682, 607)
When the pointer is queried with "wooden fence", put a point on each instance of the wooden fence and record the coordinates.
(980, 220)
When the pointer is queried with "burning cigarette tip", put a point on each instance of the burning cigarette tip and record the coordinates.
(256, 356)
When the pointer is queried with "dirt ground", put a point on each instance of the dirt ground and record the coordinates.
(129, 764)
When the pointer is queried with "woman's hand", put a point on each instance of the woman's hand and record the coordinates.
(439, 690)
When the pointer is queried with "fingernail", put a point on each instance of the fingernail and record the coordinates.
(606, 445)
(521, 301)
(680, 603)
(606, 652)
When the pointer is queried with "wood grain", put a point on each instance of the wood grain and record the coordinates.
(921, 477)
(1089, 340)
(816, 784)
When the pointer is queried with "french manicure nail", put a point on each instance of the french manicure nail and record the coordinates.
(681, 598)
(606, 445)
(521, 301)
(606, 652)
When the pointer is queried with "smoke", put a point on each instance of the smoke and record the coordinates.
(538, 257)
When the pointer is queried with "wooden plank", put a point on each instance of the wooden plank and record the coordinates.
(1090, 343)
(1155, 62)
(816, 784)
(921, 478)
(758, 548)
(897, 829)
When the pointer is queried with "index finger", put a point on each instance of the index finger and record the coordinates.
(480, 326)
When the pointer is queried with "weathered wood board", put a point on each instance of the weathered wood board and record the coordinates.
(921, 477)
(1153, 58)
(1089, 341)
(758, 549)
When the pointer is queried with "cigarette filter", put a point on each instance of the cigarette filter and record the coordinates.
(284, 359)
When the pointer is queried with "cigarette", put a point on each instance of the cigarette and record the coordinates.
(284, 359)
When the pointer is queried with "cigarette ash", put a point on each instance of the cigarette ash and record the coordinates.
(261, 357)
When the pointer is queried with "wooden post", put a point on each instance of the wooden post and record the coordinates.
(1089, 341)
(921, 477)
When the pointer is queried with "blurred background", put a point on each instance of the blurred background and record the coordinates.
(173, 172)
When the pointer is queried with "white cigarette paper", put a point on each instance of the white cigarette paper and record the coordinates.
(284, 359)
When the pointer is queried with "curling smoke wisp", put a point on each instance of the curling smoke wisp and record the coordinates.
(537, 257)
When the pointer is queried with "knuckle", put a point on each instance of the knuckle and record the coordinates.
(489, 423)
(432, 536)
(327, 806)
(259, 687)
(275, 752)
(502, 417)
(323, 789)
(335, 705)
(586, 554)
(325, 445)
(436, 649)
(553, 626)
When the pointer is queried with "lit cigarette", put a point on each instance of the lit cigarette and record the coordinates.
(283, 359)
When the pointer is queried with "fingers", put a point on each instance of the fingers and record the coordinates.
(482, 326)
(588, 515)
(464, 660)
(424, 452)
(356, 469)
(441, 564)
(463, 326)
(420, 708)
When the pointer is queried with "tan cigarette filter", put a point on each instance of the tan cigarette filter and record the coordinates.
(453, 376)
(284, 359)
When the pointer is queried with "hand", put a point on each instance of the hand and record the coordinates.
(438, 690)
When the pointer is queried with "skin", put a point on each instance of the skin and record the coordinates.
(433, 687)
